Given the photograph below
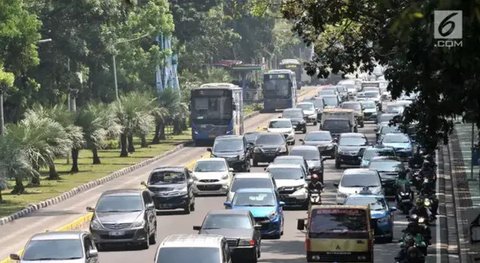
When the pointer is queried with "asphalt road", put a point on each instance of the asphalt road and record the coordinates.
(290, 248)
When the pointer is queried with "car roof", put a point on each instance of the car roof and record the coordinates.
(383, 147)
(123, 192)
(304, 147)
(290, 157)
(350, 102)
(336, 207)
(252, 175)
(254, 190)
(215, 159)
(228, 137)
(358, 171)
(292, 109)
(169, 168)
(384, 159)
(352, 196)
(229, 212)
(313, 132)
(58, 235)
(396, 134)
(191, 240)
(280, 119)
(284, 166)
(305, 102)
(270, 134)
(252, 132)
(352, 134)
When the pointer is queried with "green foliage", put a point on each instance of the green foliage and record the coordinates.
(399, 35)
(6, 78)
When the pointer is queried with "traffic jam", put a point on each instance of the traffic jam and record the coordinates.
(336, 163)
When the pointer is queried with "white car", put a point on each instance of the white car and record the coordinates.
(283, 126)
(211, 176)
(250, 180)
(65, 247)
(309, 111)
(353, 181)
(291, 184)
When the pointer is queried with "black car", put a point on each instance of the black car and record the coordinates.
(297, 117)
(388, 168)
(235, 150)
(171, 188)
(336, 126)
(124, 216)
(312, 155)
(323, 140)
(350, 149)
(239, 228)
(268, 146)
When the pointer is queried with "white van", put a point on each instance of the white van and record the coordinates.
(187, 248)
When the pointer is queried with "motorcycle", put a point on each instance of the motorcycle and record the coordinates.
(419, 242)
(411, 254)
(404, 198)
(314, 197)
(431, 203)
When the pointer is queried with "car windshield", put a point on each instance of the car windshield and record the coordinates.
(394, 108)
(166, 177)
(53, 249)
(292, 114)
(119, 203)
(251, 137)
(386, 166)
(306, 106)
(390, 129)
(360, 180)
(385, 118)
(370, 153)
(368, 104)
(222, 221)
(352, 106)
(353, 141)
(280, 124)
(318, 136)
(341, 88)
(326, 92)
(286, 173)
(288, 161)
(306, 154)
(330, 101)
(376, 203)
(270, 139)
(253, 199)
(396, 138)
(189, 254)
(210, 166)
(231, 145)
(371, 94)
(318, 103)
(336, 124)
(338, 221)
(241, 183)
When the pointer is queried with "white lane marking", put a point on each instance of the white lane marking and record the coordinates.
(437, 228)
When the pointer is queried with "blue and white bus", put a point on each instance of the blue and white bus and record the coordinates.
(216, 109)
(279, 90)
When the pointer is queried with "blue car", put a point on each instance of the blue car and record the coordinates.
(265, 207)
(381, 214)
(401, 143)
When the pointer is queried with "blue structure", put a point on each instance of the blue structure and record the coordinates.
(166, 74)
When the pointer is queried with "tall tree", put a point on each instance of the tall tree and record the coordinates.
(400, 35)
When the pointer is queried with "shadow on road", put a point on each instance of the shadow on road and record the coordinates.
(283, 247)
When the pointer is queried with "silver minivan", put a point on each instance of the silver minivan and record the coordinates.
(187, 248)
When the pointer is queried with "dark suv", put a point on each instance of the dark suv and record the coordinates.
(297, 118)
(336, 126)
(124, 216)
(171, 188)
(268, 146)
(350, 149)
(235, 150)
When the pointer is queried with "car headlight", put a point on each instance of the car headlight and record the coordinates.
(273, 215)
(282, 149)
(241, 157)
(302, 122)
(257, 150)
(96, 225)
(182, 191)
(383, 220)
(342, 195)
(421, 220)
(140, 223)
(225, 176)
(427, 202)
(194, 177)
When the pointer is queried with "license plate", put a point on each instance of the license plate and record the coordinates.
(405, 201)
(117, 233)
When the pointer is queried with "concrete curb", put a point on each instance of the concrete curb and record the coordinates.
(86, 186)
(79, 189)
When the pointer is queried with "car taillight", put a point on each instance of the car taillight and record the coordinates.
(307, 244)
(252, 242)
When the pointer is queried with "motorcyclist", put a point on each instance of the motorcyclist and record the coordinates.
(315, 184)
(428, 192)
(416, 160)
(428, 172)
(409, 253)
(420, 210)
(402, 180)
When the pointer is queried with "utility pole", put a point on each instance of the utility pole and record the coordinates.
(115, 76)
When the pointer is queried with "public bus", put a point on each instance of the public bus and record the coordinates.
(279, 90)
(338, 233)
(295, 66)
(216, 109)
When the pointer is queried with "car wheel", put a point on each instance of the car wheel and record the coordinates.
(304, 130)
(255, 163)
(338, 165)
(314, 123)
(254, 257)
(293, 142)
(100, 247)
(187, 209)
(247, 166)
(146, 243)
(277, 236)
(153, 237)
(192, 206)
(259, 249)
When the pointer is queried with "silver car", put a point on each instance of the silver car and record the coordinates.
(69, 246)
(211, 177)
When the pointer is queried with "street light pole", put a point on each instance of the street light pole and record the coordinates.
(2, 120)
(115, 76)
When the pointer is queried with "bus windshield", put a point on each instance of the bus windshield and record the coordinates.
(277, 86)
(338, 221)
(211, 109)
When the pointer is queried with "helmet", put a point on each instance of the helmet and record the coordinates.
(419, 202)
(315, 177)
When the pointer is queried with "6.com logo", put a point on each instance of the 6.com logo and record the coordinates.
(448, 29)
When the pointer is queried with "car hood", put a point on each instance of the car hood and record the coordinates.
(308, 112)
(80, 260)
(376, 214)
(280, 130)
(289, 183)
(397, 145)
(350, 149)
(389, 175)
(228, 154)
(296, 120)
(230, 233)
(166, 187)
(356, 190)
(318, 143)
(314, 163)
(370, 111)
(209, 175)
(118, 218)
(269, 146)
(258, 211)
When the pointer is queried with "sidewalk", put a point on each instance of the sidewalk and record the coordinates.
(466, 191)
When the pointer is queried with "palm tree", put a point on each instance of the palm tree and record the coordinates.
(160, 115)
(169, 99)
(180, 117)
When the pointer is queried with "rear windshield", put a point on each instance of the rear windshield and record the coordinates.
(286, 173)
(280, 124)
(293, 113)
(270, 139)
(306, 154)
(241, 183)
(338, 221)
(352, 106)
(189, 254)
(61, 249)
(386, 166)
(370, 153)
(306, 106)
(330, 101)
(227, 221)
(336, 124)
(318, 136)
(360, 180)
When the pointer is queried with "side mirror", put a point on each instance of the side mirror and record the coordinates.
(15, 257)
(143, 183)
(90, 209)
(301, 224)
(301, 140)
(257, 227)
(336, 185)
(93, 253)
(230, 169)
(475, 233)
(209, 149)
(281, 204)
(228, 204)
(198, 228)
(150, 206)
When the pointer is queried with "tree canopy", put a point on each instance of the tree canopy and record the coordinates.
(399, 35)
